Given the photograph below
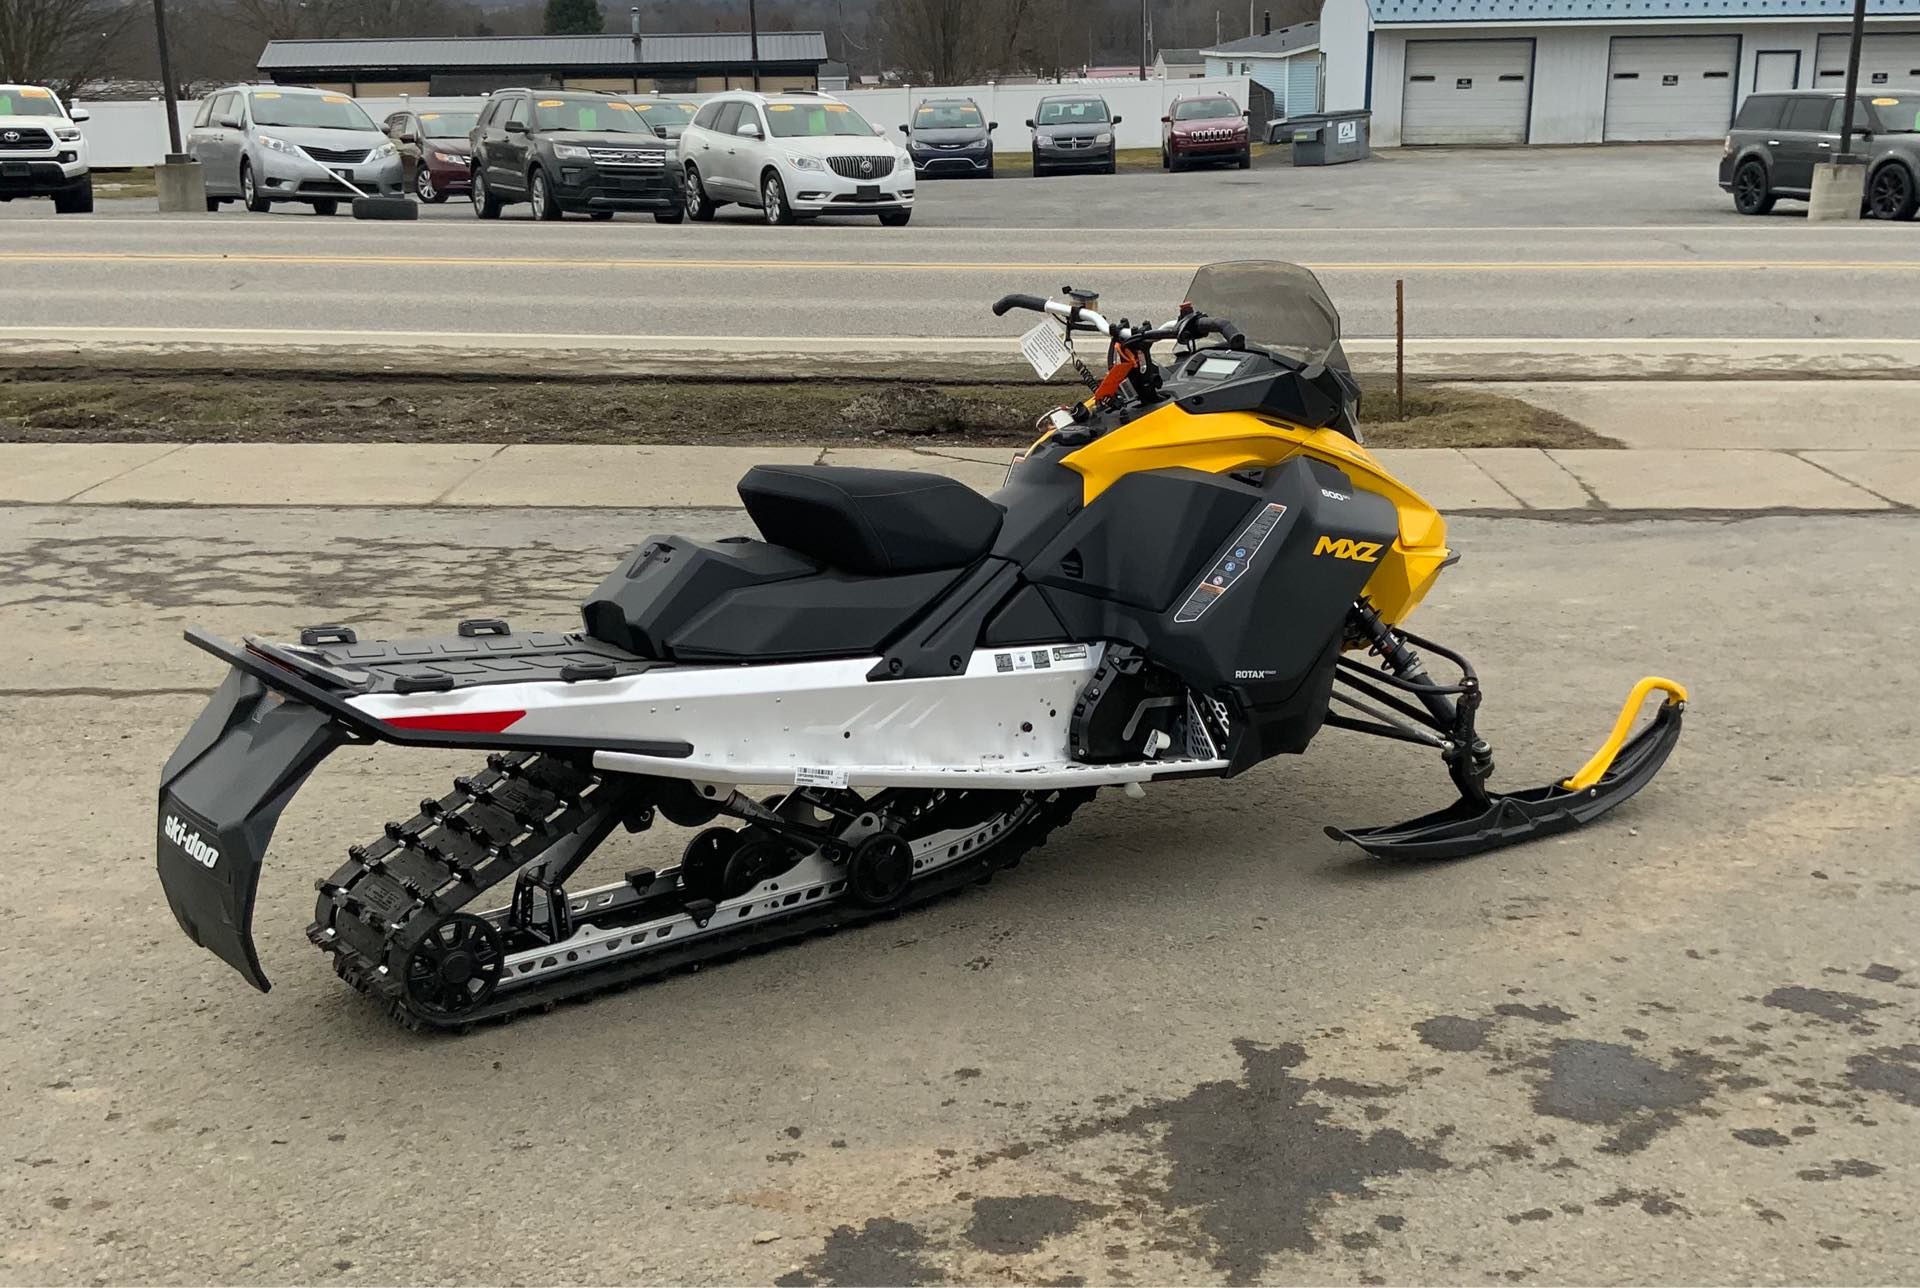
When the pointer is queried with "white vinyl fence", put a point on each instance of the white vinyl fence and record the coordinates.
(135, 133)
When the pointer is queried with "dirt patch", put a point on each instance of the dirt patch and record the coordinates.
(47, 405)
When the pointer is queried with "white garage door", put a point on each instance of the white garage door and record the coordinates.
(1467, 91)
(1670, 87)
(1891, 60)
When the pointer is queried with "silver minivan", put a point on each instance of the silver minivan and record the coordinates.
(261, 144)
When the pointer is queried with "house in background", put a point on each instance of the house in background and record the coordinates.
(1179, 64)
(1286, 62)
(1597, 71)
(632, 63)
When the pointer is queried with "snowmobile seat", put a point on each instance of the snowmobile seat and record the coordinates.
(876, 523)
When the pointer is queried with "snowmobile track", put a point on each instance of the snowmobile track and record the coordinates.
(378, 907)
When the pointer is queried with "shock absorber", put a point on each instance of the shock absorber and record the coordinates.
(1468, 757)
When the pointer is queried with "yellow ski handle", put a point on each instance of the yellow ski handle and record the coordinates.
(1596, 768)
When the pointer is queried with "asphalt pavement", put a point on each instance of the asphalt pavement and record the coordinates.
(1191, 1040)
(1607, 245)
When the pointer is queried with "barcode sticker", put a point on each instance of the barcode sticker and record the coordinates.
(809, 776)
(1044, 350)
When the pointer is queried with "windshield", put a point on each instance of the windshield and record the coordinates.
(1077, 111)
(1204, 109)
(1278, 306)
(589, 115)
(815, 121)
(448, 125)
(1897, 113)
(29, 100)
(947, 116)
(666, 119)
(309, 111)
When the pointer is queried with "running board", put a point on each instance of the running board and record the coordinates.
(1031, 777)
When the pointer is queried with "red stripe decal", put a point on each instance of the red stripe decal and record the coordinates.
(460, 721)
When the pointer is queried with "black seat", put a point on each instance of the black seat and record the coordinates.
(877, 523)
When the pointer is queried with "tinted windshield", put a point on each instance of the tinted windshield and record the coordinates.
(448, 125)
(591, 115)
(1897, 113)
(1201, 109)
(947, 116)
(28, 100)
(1278, 306)
(309, 111)
(1078, 111)
(815, 120)
(666, 119)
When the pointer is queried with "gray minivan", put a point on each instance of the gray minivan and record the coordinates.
(1777, 140)
(262, 144)
(1073, 132)
(950, 136)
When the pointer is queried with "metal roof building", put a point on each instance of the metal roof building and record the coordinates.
(478, 64)
(1594, 71)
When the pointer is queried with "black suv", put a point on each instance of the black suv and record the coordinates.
(1777, 140)
(567, 150)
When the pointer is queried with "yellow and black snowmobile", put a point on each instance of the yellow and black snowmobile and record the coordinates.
(1194, 569)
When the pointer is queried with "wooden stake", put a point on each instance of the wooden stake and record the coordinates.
(1400, 347)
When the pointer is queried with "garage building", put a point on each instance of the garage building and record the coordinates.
(1479, 72)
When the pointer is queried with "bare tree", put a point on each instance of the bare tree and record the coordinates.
(57, 42)
(941, 42)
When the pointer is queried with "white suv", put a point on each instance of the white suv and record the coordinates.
(793, 155)
(42, 152)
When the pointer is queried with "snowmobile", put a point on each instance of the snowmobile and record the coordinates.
(897, 687)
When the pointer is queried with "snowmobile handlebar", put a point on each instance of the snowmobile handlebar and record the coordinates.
(1189, 326)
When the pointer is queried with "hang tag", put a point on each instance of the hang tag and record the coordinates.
(1044, 349)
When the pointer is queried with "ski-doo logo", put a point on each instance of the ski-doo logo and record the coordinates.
(1347, 548)
(189, 841)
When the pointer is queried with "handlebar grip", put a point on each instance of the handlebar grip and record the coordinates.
(1006, 303)
(1231, 334)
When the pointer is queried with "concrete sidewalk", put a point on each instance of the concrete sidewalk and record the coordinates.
(488, 474)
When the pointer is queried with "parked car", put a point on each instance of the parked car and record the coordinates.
(669, 117)
(1777, 139)
(950, 136)
(566, 151)
(267, 144)
(42, 151)
(1073, 132)
(793, 156)
(435, 154)
(1204, 128)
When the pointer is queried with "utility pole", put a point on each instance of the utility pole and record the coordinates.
(166, 79)
(1143, 39)
(753, 37)
(1853, 79)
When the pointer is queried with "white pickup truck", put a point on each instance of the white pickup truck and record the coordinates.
(42, 152)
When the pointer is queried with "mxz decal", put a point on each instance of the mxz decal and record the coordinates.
(1347, 548)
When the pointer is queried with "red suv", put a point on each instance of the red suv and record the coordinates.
(1207, 127)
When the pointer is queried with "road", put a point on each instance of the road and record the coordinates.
(1190, 1041)
(1591, 263)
